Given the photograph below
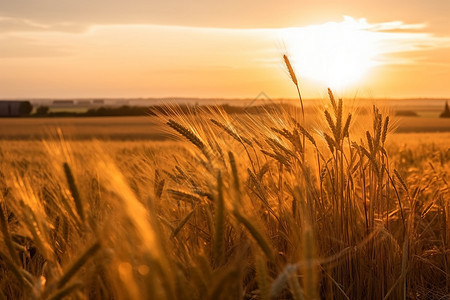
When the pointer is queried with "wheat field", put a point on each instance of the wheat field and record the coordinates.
(267, 206)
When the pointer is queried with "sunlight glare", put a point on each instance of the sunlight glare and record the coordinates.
(337, 54)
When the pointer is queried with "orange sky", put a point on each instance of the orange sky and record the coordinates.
(223, 49)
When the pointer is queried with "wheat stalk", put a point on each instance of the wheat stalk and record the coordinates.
(295, 81)
(77, 264)
(262, 277)
(219, 222)
(74, 191)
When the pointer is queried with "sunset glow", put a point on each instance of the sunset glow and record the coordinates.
(336, 53)
(128, 54)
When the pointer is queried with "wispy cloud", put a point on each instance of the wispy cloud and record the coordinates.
(20, 25)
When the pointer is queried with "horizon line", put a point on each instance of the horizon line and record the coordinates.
(214, 98)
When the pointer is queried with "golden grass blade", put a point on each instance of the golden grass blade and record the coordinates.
(333, 101)
(219, 222)
(7, 236)
(262, 277)
(74, 191)
(15, 270)
(345, 131)
(331, 125)
(77, 264)
(256, 234)
(182, 223)
(290, 69)
(385, 129)
(221, 283)
(66, 291)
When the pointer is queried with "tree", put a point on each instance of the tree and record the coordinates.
(42, 110)
(25, 108)
(446, 112)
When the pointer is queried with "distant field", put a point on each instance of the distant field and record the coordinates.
(115, 128)
(149, 128)
(260, 205)
(417, 124)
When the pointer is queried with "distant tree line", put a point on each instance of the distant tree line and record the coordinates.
(44, 111)
(118, 111)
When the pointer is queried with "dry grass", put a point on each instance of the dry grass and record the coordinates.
(258, 224)
(254, 207)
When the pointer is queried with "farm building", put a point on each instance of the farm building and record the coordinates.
(15, 108)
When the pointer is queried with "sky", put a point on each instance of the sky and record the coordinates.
(225, 49)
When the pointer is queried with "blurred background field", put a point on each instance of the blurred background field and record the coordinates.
(148, 127)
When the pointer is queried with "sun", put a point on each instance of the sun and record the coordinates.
(337, 54)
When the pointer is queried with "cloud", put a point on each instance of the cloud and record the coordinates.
(15, 25)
